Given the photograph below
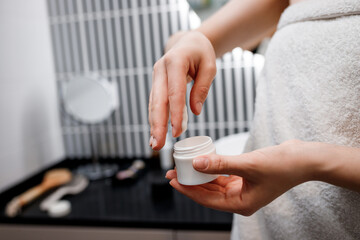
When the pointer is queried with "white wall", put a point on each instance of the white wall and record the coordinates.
(29, 124)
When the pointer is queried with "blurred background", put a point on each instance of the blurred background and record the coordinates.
(47, 44)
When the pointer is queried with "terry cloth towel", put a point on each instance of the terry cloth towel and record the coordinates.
(309, 90)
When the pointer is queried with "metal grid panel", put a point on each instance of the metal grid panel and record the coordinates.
(121, 40)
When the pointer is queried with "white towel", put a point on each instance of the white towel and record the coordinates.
(232, 144)
(310, 90)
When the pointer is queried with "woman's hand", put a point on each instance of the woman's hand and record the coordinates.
(190, 56)
(256, 178)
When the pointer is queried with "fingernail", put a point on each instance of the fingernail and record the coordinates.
(201, 163)
(198, 107)
(154, 143)
(151, 141)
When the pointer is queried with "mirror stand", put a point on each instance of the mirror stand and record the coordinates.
(91, 100)
(96, 170)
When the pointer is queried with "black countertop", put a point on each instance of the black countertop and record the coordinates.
(106, 204)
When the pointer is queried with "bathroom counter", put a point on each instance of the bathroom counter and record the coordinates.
(133, 205)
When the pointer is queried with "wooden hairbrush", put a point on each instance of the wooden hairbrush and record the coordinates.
(52, 178)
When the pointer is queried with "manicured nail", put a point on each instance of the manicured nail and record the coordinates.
(201, 163)
(151, 141)
(198, 107)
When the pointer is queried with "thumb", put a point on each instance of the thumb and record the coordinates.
(219, 164)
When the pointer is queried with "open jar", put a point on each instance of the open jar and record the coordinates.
(184, 153)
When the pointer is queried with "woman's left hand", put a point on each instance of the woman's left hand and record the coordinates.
(256, 178)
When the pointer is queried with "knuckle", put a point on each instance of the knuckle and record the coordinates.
(174, 58)
(169, 58)
(221, 163)
(175, 94)
(158, 65)
(211, 68)
(172, 93)
(158, 124)
(203, 92)
(158, 104)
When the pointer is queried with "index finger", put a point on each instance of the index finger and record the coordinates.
(158, 107)
(177, 71)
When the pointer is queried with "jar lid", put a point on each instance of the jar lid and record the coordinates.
(192, 144)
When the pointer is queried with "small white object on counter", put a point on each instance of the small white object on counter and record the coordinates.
(184, 153)
(59, 209)
(76, 186)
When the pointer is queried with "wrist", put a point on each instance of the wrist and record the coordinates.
(174, 39)
(209, 37)
(306, 166)
(316, 160)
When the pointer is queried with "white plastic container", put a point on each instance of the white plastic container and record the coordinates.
(184, 153)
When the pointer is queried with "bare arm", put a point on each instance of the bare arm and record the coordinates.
(334, 164)
(258, 177)
(242, 23)
(191, 56)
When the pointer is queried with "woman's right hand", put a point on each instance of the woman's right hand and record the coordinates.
(191, 56)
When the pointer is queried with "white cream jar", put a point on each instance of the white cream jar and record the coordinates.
(184, 153)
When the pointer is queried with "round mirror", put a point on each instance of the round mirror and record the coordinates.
(90, 99)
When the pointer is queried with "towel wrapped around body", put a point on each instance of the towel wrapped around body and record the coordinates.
(309, 90)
